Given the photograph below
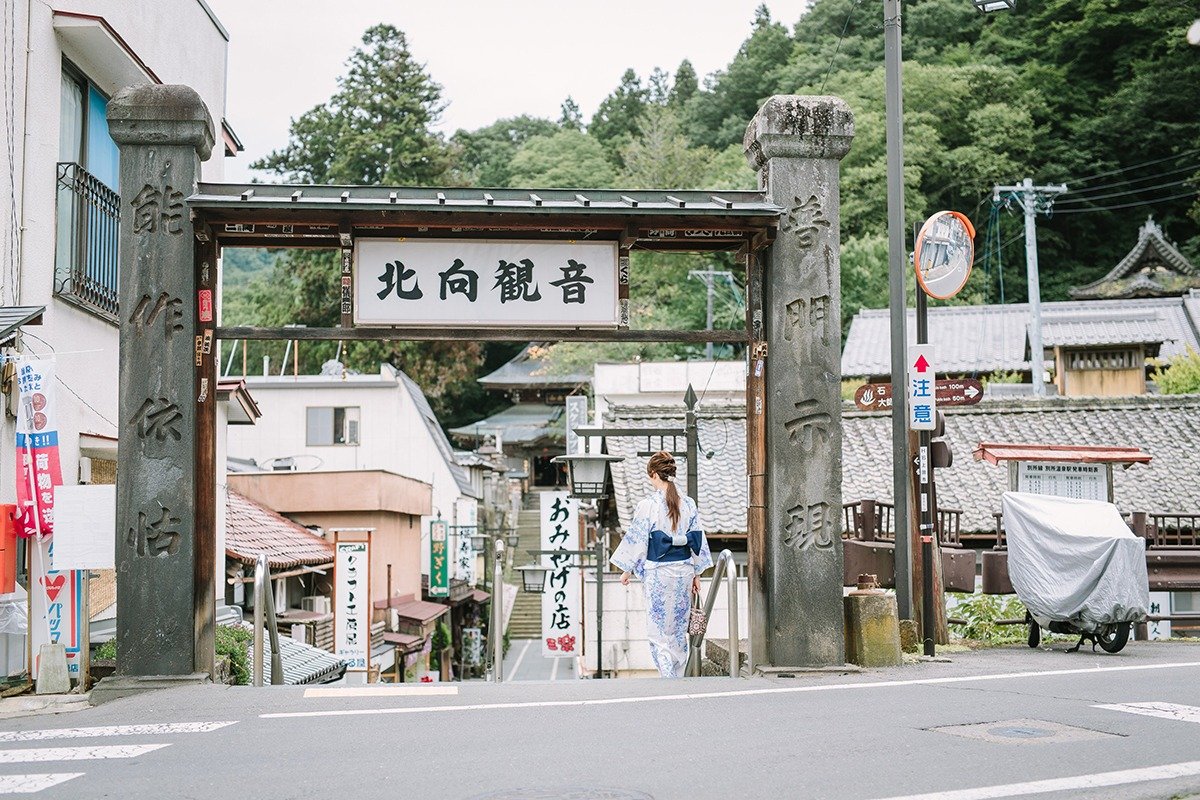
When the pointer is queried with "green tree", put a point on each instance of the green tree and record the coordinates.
(684, 86)
(1181, 375)
(661, 158)
(567, 160)
(570, 117)
(485, 155)
(376, 127)
(616, 120)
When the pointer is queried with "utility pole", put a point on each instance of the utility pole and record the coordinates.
(709, 277)
(1033, 199)
(897, 266)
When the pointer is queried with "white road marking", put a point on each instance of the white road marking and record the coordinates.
(33, 782)
(412, 689)
(1164, 710)
(1074, 783)
(111, 730)
(516, 667)
(740, 692)
(77, 753)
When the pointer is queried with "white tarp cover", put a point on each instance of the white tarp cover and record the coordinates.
(1075, 560)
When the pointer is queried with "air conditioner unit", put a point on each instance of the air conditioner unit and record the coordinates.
(318, 604)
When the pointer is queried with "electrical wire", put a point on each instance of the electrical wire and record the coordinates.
(66, 385)
(1136, 166)
(1154, 201)
(838, 49)
(1091, 197)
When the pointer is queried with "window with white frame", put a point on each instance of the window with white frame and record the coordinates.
(332, 425)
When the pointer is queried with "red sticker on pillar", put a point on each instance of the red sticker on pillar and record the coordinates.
(38, 468)
(206, 305)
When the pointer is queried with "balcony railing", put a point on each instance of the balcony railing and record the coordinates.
(86, 264)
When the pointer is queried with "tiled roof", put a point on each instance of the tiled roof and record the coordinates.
(302, 663)
(524, 423)
(461, 479)
(251, 529)
(1153, 268)
(981, 339)
(1092, 330)
(525, 371)
(722, 484)
(1168, 428)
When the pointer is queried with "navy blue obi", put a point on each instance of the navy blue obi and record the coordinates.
(660, 549)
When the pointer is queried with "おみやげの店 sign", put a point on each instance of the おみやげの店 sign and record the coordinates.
(485, 282)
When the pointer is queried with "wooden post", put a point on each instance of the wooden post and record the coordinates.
(867, 524)
(756, 461)
(205, 564)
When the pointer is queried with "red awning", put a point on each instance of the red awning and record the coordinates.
(994, 453)
(421, 612)
(480, 596)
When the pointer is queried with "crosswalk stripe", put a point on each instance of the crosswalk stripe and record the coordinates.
(1164, 710)
(76, 753)
(111, 730)
(33, 782)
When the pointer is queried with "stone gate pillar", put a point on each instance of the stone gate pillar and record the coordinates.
(164, 132)
(795, 144)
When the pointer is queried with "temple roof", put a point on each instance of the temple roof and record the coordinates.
(1153, 268)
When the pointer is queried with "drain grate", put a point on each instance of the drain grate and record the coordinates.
(1024, 731)
(563, 794)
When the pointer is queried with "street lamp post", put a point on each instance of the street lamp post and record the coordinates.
(498, 617)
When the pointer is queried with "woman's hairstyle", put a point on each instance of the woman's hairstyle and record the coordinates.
(662, 466)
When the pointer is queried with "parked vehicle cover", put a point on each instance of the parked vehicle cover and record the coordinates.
(1075, 560)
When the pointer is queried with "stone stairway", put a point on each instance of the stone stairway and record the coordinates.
(526, 620)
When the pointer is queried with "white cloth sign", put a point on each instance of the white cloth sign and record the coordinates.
(467, 516)
(485, 282)
(352, 604)
(562, 602)
(85, 527)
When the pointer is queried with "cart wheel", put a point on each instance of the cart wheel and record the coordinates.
(1035, 634)
(1112, 638)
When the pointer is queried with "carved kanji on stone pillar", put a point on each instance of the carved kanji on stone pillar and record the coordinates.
(164, 133)
(795, 144)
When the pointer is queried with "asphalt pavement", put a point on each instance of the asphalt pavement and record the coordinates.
(1000, 723)
(525, 662)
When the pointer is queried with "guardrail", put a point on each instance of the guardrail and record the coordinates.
(726, 569)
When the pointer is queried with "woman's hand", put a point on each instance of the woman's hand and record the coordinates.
(696, 585)
(625, 578)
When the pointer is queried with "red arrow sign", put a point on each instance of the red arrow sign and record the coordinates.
(922, 365)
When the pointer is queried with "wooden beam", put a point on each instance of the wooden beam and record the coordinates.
(414, 334)
(205, 480)
(756, 459)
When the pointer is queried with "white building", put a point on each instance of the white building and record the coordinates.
(660, 383)
(60, 202)
(380, 421)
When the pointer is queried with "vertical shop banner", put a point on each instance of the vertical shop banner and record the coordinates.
(467, 517)
(561, 603)
(38, 469)
(57, 607)
(352, 603)
(472, 642)
(439, 559)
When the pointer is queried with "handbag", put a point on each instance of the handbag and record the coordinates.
(697, 620)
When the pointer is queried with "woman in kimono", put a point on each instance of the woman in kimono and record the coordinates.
(666, 550)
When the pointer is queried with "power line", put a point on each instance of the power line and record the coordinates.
(1085, 198)
(838, 49)
(1135, 166)
(1154, 201)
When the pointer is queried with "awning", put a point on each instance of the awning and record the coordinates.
(404, 642)
(480, 596)
(994, 453)
(421, 612)
(13, 317)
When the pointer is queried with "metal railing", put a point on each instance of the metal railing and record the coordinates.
(725, 568)
(264, 608)
(86, 261)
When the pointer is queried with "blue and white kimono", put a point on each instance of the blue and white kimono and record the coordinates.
(665, 561)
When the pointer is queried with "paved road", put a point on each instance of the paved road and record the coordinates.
(1047, 728)
(525, 662)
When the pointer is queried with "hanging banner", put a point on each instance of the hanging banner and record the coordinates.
(467, 514)
(485, 282)
(561, 603)
(57, 610)
(38, 469)
(352, 603)
(439, 559)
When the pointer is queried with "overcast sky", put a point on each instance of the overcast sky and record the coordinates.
(493, 59)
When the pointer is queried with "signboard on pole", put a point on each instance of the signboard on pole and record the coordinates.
(562, 601)
(485, 282)
(38, 469)
(466, 512)
(1080, 481)
(439, 559)
(922, 396)
(57, 607)
(577, 417)
(947, 392)
(352, 602)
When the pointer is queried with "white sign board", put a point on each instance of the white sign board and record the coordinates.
(577, 417)
(466, 514)
(922, 389)
(485, 282)
(562, 602)
(1160, 605)
(1080, 481)
(85, 524)
(352, 604)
